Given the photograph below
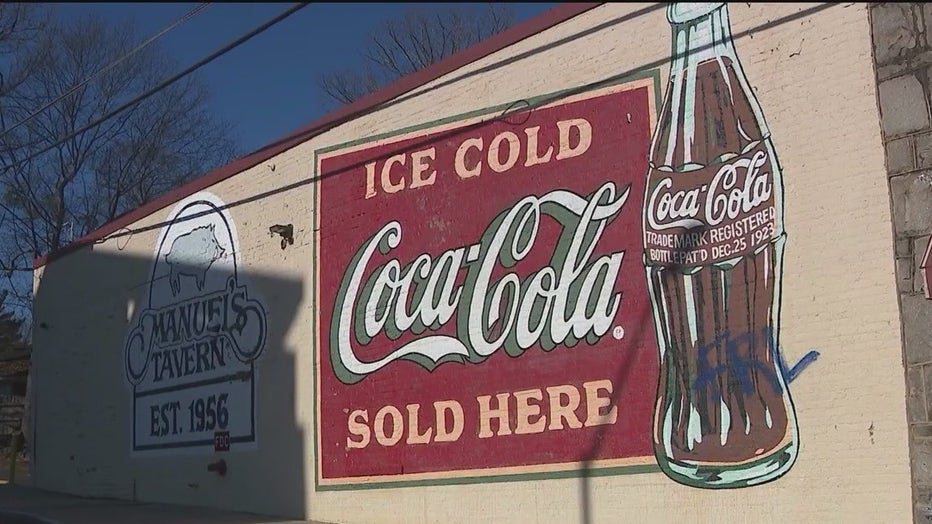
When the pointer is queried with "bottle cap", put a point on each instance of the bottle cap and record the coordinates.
(683, 12)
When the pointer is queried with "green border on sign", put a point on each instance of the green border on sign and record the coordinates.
(531, 103)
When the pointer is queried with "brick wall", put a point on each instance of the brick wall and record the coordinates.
(902, 36)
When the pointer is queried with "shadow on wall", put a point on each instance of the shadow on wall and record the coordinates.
(145, 373)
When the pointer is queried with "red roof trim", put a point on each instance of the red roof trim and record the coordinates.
(403, 85)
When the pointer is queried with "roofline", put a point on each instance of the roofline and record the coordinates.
(493, 44)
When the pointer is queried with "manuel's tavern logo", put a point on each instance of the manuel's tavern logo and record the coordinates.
(190, 355)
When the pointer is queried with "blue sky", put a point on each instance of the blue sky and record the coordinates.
(267, 87)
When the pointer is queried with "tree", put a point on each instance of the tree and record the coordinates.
(95, 176)
(12, 338)
(411, 42)
(20, 25)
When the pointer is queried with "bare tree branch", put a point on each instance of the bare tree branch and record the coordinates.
(108, 170)
(411, 42)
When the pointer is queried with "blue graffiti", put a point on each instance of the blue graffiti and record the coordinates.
(741, 367)
(737, 365)
(791, 373)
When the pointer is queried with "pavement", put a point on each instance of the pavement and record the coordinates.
(27, 505)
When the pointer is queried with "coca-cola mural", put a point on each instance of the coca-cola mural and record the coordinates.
(483, 309)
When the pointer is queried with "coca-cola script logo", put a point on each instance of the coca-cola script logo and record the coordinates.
(712, 213)
(571, 299)
(724, 197)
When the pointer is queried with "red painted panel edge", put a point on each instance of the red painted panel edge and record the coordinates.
(403, 85)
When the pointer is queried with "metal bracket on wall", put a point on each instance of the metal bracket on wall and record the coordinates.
(219, 467)
(286, 232)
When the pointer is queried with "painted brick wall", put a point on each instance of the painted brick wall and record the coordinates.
(902, 36)
(812, 70)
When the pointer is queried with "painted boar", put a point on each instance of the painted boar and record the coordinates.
(192, 254)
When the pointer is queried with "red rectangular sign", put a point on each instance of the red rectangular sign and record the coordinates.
(221, 441)
(482, 305)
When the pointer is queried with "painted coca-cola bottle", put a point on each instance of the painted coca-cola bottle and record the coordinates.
(713, 252)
